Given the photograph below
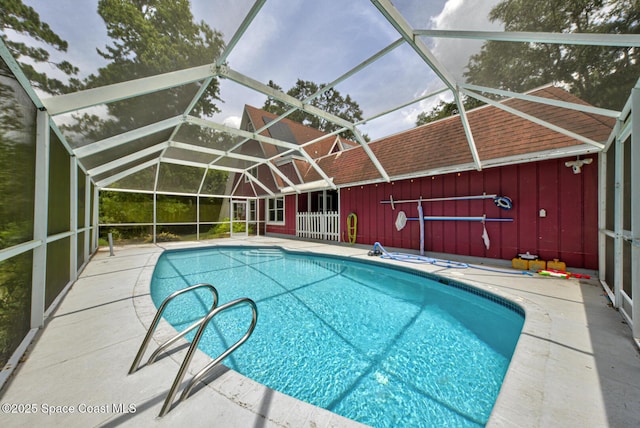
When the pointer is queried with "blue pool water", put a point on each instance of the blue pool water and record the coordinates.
(386, 347)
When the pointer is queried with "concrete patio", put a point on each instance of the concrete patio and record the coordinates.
(575, 365)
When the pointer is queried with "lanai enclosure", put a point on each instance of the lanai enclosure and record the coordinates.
(571, 169)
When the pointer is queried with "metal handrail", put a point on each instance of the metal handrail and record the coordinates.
(156, 320)
(194, 345)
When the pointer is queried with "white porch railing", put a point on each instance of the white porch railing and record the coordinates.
(325, 226)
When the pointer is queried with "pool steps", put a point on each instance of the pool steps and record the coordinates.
(201, 325)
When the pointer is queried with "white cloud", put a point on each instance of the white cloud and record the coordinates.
(454, 54)
(232, 122)
(289, 40)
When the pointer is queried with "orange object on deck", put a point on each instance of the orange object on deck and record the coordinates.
(557, 265)
(519, 263)
(537, 265)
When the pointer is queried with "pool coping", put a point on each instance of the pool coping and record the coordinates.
(576, 363)
(521, 378)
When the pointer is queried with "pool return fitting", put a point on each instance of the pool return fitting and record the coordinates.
(201, 325)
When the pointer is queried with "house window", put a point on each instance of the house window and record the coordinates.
(251, 215)
(253, 171)
(275, 210)
(321, 202)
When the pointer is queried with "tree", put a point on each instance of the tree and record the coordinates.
(22, 19)
(446, 109)
(150, 37)
(600, 75)
(331, 101)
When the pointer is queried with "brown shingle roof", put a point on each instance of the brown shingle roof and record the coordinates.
(301, 133)
(497, 134)
(442, 145)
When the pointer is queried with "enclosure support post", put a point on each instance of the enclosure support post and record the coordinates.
(96, 217)
(87, 218)
(635, 210)
(617, 223)
(40, 220)
(73, 218)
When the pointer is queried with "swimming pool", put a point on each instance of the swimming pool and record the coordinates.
(383, 346)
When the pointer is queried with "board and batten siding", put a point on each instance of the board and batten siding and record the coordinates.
(568, 232)
(289, 226)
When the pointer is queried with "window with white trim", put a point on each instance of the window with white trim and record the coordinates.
(253, 171)
(275, 210)
(251, 215)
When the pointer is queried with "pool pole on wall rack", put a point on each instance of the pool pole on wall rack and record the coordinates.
(503, 202)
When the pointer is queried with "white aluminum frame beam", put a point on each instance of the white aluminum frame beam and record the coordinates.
(467, 131)
(242, 133)
(403, 105)
(372, 156)
(119, 91)
(534, 119)
(200, 165)
(126, 137)
(280, 174)
(308, 143)
(259, 161)
(223, 57)
(127, 159)
(210, 151)
(73, 218)
(590, 39)
(87, 218)
(244, 25)
(634, 175)
(261, 138)
(15, 68)
(241, 79)
(221, 153)
(337, 81)
(112, 179)
(40, 219)
(542, 100)
(252, 179)
(398, 21)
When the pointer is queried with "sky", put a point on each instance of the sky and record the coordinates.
(316, 40)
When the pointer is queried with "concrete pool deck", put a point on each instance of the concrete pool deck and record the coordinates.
(576, 364)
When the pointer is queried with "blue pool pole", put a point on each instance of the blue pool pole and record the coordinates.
(432, 218)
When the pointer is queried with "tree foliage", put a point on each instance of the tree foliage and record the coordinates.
(446, 109)
(24, 20)
(17, 183)
(331, 101)
(600, 75)
(150, 37)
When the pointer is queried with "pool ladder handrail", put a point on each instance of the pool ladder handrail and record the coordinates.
(202, 324)
(194, 345)
(154, 324)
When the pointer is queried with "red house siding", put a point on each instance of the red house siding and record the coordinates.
(568, 232)
(289, 226)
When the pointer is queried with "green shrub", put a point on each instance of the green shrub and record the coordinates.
(163, 237)
(223, 229)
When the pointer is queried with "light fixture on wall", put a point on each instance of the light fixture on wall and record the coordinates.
(577, 164)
